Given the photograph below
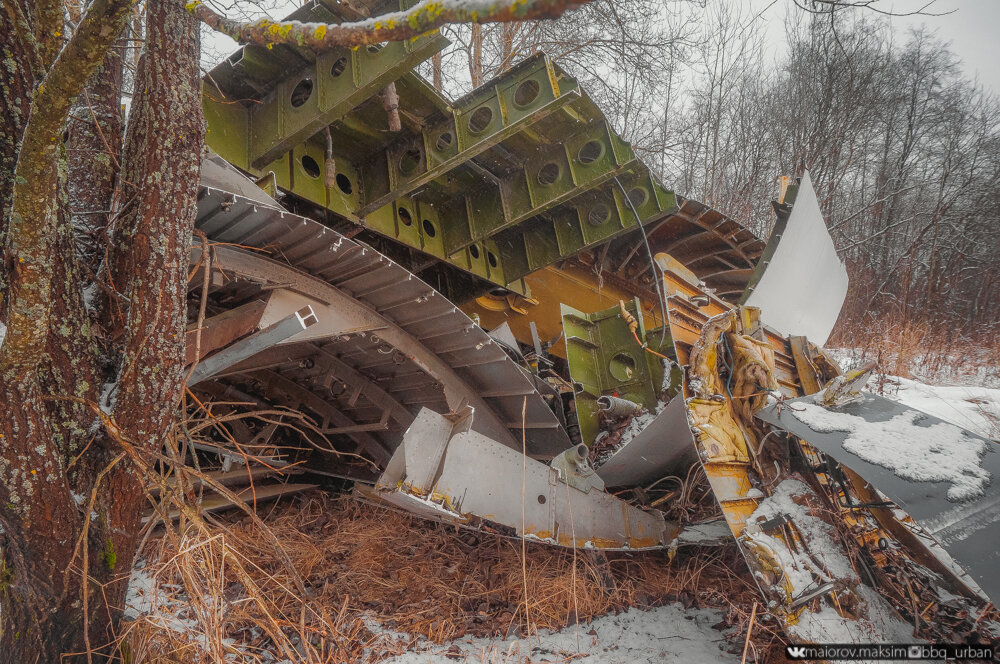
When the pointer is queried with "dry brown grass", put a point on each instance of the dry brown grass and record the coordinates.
(366, 569)
(913, 349)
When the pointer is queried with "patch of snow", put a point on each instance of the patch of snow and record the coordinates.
(974, 408)
(877, 624)
(3, 333)
(941, 452)
(108, 395)
(800, 570)
(667, 634)
(972, 368)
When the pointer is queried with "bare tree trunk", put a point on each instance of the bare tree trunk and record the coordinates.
(40, 522)
(94, 154)
(149, 256)
(476, 58)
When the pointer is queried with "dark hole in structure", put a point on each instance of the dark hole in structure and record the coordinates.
(480, 119)
(599, 214)
(492, 258)
(548, 173)
(474, 250)
(405, 216)
(638, 196)
(302, 92)
(311, 167)
(526, 92)
(409, 162)
(338, 67)
(344, 183)
(590, 152)
(444, 141)
(429, 228)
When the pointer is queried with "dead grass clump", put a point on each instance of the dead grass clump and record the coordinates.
(914, 349)
(375, 580)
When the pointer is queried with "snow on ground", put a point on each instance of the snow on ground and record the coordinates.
(877, 623)
(667, 634)
(975, 368)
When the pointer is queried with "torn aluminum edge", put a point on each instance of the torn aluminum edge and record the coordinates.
(444, 470)
(803, 282)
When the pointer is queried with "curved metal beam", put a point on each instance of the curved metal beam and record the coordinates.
(457, 392)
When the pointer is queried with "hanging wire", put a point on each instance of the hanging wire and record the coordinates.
(658, 281)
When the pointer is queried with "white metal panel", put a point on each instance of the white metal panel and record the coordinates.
(804, 285)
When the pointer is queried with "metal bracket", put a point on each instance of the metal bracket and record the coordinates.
(275, 333)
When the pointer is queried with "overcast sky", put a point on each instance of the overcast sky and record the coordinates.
(972, 27)
(972, 30)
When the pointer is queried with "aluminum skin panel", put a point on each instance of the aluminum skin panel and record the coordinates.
(804, 284)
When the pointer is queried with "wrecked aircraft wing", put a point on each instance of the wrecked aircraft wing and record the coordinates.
(941, 475)
(446, 471)
(800, 283)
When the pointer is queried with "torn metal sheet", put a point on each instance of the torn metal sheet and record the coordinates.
(802, 283)
(218, 173)
(446, 471)
(968, 530)
(664, 445)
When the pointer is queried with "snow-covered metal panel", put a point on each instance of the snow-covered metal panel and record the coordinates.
(941, 475)
(804, 283)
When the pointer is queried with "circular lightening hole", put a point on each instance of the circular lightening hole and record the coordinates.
(526, 93)
(548, 173)
(622, 367)
(444, 141)
(638, 196)
(311, 167)
(405, 216)
(344, 183)
(590, 152)
(409, 162)
(480, 119)
(429, 228)
(302, 92)
(599, 214)
(339, 66)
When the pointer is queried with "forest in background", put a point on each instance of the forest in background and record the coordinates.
(903, 148)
